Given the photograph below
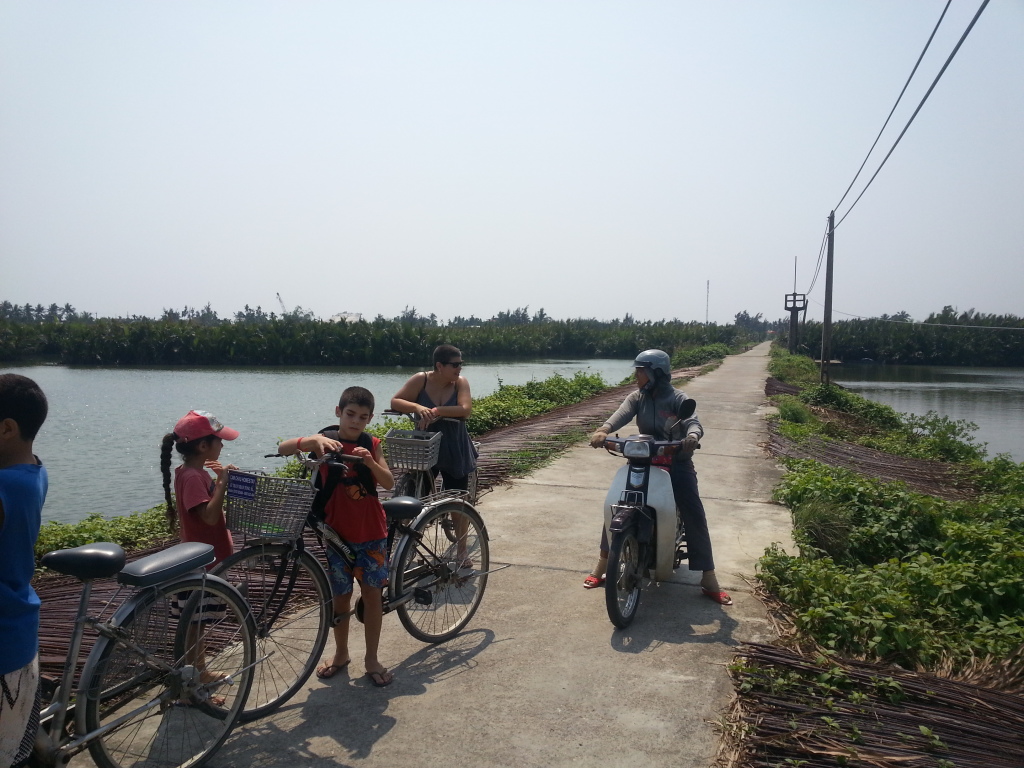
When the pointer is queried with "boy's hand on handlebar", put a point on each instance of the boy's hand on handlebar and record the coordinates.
(322, 444)
(597, 439)
(362, 453)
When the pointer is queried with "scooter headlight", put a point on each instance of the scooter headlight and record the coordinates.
(636, 450)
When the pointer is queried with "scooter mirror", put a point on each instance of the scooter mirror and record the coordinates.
(689, 406)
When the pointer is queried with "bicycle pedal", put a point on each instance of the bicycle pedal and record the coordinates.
(422, 596)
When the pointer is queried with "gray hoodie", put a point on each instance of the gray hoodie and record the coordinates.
(655, 413)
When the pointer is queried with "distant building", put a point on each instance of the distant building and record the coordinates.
(348, 317)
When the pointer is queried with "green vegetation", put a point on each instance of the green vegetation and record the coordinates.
(945, 338)
(798, 370)
(702, 355)
(889, 574)
(898, 576)
(255, 338)
(135, 531)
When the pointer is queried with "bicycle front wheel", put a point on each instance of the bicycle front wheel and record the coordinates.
(623, 579)
(290, 599)
(441, 567)
(417, 483)
(173, 680)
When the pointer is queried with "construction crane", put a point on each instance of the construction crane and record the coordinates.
(284, 309)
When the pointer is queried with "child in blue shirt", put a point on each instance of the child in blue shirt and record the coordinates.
(23, 485)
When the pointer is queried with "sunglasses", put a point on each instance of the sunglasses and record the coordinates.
(457, 364)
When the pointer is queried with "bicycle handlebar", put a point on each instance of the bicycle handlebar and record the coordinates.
(325, 459)
(412, 416)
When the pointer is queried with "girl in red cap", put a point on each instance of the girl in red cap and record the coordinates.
(198, 509)
(198, 502)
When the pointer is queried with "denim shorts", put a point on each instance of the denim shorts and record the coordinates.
(370, 568)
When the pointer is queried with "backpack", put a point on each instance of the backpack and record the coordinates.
(335, 475)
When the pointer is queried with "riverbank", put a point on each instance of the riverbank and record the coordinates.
(902, 580)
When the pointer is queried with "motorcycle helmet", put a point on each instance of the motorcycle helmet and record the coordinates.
(657, 364)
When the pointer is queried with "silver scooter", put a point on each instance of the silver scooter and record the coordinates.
(645, 530)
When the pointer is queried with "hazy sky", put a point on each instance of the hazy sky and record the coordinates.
(591, 158)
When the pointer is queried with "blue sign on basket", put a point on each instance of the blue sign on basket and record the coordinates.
(241, 486)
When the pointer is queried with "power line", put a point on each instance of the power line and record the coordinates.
(919, 106)
(927, 325)
(821, 254)
(898, 98)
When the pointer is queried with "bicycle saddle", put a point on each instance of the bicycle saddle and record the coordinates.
(90, 561)
(172, 562)
(402, 507)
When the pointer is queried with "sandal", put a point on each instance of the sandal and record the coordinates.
(721, 597)
(327, 671)
(592, 581)
(381, 678)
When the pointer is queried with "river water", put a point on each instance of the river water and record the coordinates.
(992, 398)
(101, 440)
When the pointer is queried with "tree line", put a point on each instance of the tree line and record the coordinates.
(197, 337)
(948, 337)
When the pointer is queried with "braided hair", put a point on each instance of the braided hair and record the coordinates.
(185, 449)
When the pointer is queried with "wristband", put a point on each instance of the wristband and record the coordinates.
(298, 444)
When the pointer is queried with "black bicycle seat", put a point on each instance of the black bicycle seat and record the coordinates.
(90, 561)
(402, 507)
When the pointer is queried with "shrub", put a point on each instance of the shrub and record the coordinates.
(792, 410)
(691, 358)
(839, 399)
(798, 370)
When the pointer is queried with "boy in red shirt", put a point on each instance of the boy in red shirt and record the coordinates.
(355, 512)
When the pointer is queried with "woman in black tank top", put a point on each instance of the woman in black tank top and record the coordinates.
(431, 398)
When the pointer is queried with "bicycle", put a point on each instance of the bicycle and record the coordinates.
(415, 452)
(439, 559)
(169, 674)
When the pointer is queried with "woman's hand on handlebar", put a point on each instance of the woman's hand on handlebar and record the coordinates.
(425, 416)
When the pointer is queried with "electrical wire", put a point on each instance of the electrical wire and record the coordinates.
(891, 111)
(919, 106)
(821, 255)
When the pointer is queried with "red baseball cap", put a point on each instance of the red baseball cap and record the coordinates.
(197, 424)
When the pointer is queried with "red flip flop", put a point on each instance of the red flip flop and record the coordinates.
(592, 581)
(722, 598)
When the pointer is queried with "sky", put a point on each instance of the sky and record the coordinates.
(673, 159)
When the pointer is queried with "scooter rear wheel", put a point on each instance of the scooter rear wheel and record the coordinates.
(624, 578)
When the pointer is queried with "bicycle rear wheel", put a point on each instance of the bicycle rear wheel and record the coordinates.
(443, 564)
(174, 680)
(290, 599)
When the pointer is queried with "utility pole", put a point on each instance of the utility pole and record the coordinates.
(826, 326)
(795, 304)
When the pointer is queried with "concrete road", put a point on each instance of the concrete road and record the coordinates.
(541, 677)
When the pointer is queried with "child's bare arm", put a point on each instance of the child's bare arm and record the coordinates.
(317, 444)
(212, 512)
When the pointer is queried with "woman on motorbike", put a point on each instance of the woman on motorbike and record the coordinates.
(656, 406)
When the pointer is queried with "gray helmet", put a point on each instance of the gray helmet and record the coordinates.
(656, 362)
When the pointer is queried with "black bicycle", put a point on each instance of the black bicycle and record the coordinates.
(439, 562)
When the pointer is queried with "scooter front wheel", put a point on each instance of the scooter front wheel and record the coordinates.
(624, 578)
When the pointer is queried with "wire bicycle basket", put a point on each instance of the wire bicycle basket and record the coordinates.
(267, 507)
(412, 448)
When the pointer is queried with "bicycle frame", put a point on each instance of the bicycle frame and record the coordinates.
(54, 745)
